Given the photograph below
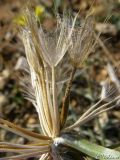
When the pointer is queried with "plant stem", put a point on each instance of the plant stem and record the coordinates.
(56, 128)
(65, 104)
(88, 148)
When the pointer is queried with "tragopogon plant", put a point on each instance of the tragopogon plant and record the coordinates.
(52, 58)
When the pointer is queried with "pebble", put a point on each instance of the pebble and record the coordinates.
(3, 100)
(3, 78)
(106, 28)
(6, 73)
(2, 82)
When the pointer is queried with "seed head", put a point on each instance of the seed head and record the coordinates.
(82, 42)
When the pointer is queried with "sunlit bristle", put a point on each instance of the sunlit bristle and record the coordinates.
(112, 72)
(83, 42)
(109, 91)
(22, 64)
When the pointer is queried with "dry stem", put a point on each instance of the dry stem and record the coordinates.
(55, 105)
(65, 104)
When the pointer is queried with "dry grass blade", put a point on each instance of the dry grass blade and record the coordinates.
(45, 100)
(25, 146)
(18, 133)
(18, 150)
(24, 131)
(92, 113)
(26, 155)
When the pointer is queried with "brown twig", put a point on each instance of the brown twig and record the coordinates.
(65, 104)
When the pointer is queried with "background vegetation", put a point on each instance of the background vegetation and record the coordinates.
(86, 90)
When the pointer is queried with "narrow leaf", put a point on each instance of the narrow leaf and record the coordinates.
(26, 155)
(24, 131)
(91, 149)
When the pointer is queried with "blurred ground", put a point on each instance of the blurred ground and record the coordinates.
(86, 87)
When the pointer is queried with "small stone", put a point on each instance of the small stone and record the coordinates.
(8, 36)
(49, 23)
(31, 120)
(6, 73)
(106, 28)
(2, 82)
(3, 100)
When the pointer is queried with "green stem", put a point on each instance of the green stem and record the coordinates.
(88, 148)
